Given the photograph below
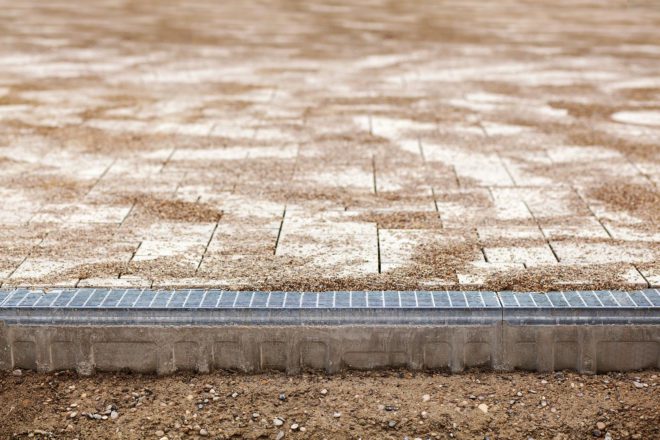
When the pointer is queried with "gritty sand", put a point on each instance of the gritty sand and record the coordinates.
(398, 145)
(559, 406)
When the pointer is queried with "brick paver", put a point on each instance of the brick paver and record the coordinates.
(344, 145)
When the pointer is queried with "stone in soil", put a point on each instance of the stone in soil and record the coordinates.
(632, 409)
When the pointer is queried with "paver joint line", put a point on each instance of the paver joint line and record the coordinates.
(334, 156)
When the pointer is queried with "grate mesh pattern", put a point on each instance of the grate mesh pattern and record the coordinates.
(217, 307)
(220, 299)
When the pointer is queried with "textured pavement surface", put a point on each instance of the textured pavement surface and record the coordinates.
(315, 145)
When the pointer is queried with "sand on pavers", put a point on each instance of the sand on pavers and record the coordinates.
(507, 145)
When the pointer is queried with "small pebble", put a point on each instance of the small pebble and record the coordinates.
(336, 415)
(278, 422)
(203, 432)
(483, 408)
(426, 398)
(391, 424)
(324, 391)
(600, 425)
(17, 372)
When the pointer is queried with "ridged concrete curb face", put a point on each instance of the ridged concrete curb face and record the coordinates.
(149, 331)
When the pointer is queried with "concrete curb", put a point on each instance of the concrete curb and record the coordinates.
(165, 331)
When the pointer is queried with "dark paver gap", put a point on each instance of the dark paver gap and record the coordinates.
(373, 171)
(167, 160)
(279, 231)
(648, 283)
(586, 203)
(421, 150)
(121, 272)
(103, 174)
(378, 247)
(545, 237)
(479, 124)
(128, 214)
(435, 199)
(208, 243)
(458, 181)
(27, 256)
(506, 168)
(498, 153)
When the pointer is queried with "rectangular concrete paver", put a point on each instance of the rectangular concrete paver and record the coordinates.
(380, 145)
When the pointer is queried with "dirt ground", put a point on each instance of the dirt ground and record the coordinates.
(387, 405)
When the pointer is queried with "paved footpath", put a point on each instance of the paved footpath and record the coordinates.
(310, 145)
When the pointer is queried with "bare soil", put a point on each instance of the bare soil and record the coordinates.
(382, 404)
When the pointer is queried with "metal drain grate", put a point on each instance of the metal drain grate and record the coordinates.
(202, 307)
